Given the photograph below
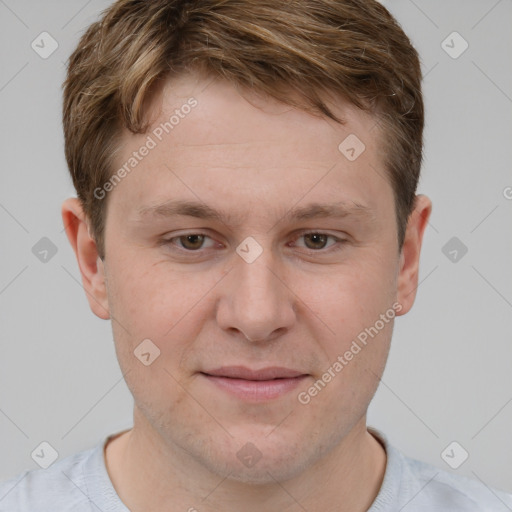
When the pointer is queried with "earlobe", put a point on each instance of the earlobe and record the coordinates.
(86, 252)
(407, 282)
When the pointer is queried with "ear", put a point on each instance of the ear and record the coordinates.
(410, 254)
(86, 252)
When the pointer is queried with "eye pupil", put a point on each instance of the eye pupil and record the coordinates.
(318, 240)
(192, 241)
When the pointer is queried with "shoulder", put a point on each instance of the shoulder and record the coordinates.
(455, 491)
(416, 486)
(62, 486)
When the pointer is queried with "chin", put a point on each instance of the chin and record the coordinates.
(264, 461)
(269, 471)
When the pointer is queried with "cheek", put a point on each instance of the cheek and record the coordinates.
(351, 303)
(155, 302)
(341, 391)
(349, 300)
(153, 299)
(153, 308)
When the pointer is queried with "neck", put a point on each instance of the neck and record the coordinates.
(149, 475)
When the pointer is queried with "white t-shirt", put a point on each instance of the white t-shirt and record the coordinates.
(80, 483)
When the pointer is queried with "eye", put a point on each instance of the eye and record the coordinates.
(313, 241)
(190, 241)
(316, 241)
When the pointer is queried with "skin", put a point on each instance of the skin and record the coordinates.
(299, 305)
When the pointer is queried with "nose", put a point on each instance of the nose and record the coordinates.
(256, 303)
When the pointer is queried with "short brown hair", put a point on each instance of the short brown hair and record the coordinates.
(352, 48)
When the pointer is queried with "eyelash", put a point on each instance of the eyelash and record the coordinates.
(336, 246)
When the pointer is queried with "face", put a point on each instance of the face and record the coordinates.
(251, 252)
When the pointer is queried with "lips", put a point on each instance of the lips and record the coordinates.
(241, 372)
(253, 385)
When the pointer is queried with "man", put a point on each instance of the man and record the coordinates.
(247, 218)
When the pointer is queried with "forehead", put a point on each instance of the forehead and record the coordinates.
(222, 114)
(207, 135)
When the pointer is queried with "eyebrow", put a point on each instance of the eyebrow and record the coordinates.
(201, 210)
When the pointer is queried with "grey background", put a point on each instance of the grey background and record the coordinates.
(449, 374)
